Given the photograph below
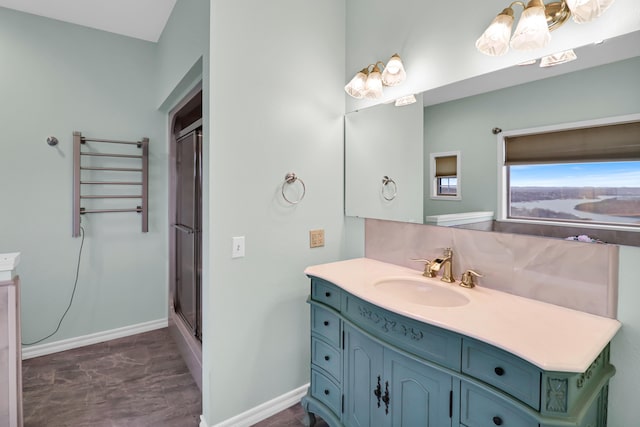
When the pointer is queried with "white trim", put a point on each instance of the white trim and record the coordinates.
(263, 411)
(29, 352)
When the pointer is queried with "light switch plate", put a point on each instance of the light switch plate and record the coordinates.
(316, 238)
(237, 251)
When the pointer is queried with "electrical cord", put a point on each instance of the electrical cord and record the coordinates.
(75, 285)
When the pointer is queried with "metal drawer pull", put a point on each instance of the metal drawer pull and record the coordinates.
(377, 392)
(497, 421)
(326, 323)
(327, 358)
(386, 398)
(327, 294)
(499, 371)
(326, 391)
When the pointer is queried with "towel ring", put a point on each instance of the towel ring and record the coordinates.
(291, 178)
(385, 182)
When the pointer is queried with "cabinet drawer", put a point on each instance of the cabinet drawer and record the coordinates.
(326, 357)
(326, 293)
(429, 342)
(505, 371)
(326, 391)
(325, 324)
(480, 408)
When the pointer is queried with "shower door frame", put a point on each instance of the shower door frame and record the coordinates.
(173, 138)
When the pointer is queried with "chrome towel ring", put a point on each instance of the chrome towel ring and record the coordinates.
(291, 178)
(386, 183)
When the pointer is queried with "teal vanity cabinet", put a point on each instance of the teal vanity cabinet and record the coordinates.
(385, 388)
(371, 367)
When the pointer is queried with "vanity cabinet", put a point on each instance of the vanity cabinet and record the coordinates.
(371, 367)
(384, 388)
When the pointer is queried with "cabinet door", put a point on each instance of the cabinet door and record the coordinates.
(363, 367)
(419, 394)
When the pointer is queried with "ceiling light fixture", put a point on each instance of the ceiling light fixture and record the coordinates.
(405, 100)
(535, 24)
(368, 82)
(558, 58)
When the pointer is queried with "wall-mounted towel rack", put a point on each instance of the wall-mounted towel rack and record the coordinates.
(80, 180)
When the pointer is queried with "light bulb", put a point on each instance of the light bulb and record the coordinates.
(532, 31)
(356, 87)
(495, 40)
(587, 10)
(373, 86)
(394, 73)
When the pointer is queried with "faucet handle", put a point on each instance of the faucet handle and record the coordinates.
(427, 267)
(468, 279)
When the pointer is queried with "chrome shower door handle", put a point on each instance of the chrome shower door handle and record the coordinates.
(183, 228)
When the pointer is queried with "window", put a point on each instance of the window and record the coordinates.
(585, 175)
(445, 175)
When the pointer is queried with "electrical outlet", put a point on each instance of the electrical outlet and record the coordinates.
(316, 238)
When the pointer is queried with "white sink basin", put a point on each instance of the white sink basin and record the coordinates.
(421, 292)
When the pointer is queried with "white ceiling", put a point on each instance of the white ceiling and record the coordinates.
(141, 19)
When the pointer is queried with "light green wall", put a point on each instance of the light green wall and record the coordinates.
(56, 78)
(277, 105)
(182, 49)
(625, 349)
(465, 124)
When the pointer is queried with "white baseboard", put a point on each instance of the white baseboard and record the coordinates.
(29, 352)
(262, 412)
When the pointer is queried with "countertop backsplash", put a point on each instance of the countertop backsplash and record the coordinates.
(573, 274)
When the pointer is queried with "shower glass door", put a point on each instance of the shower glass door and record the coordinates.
(187, 228)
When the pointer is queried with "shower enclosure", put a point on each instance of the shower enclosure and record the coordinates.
(188, 227)
(185, 233)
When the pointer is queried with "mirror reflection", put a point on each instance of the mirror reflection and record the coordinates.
(451, 122)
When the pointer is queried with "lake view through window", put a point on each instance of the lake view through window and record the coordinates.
(595, 192)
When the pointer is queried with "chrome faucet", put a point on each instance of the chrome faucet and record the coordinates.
(446, 263)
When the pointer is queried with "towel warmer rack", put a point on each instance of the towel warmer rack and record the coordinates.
(78, 181)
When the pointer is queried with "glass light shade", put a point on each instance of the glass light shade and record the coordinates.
(532, 31)
(558, 58)
(495, 40)
(394, 72)
(373, 86)
(587, 10)
(405, 100)
(356, 86)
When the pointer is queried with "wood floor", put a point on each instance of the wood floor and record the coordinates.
(137, 381)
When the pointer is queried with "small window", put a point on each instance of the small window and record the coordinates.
(587, 175)
(445, 175)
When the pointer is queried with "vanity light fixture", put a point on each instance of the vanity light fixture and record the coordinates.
(369, 82)
(535, 24)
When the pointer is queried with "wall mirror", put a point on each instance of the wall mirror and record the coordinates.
(383, 157)
(461, 117)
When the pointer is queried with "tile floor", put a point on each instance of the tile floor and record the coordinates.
(137, 381)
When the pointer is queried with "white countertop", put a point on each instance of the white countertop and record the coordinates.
(8, 263)
(551, 337)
